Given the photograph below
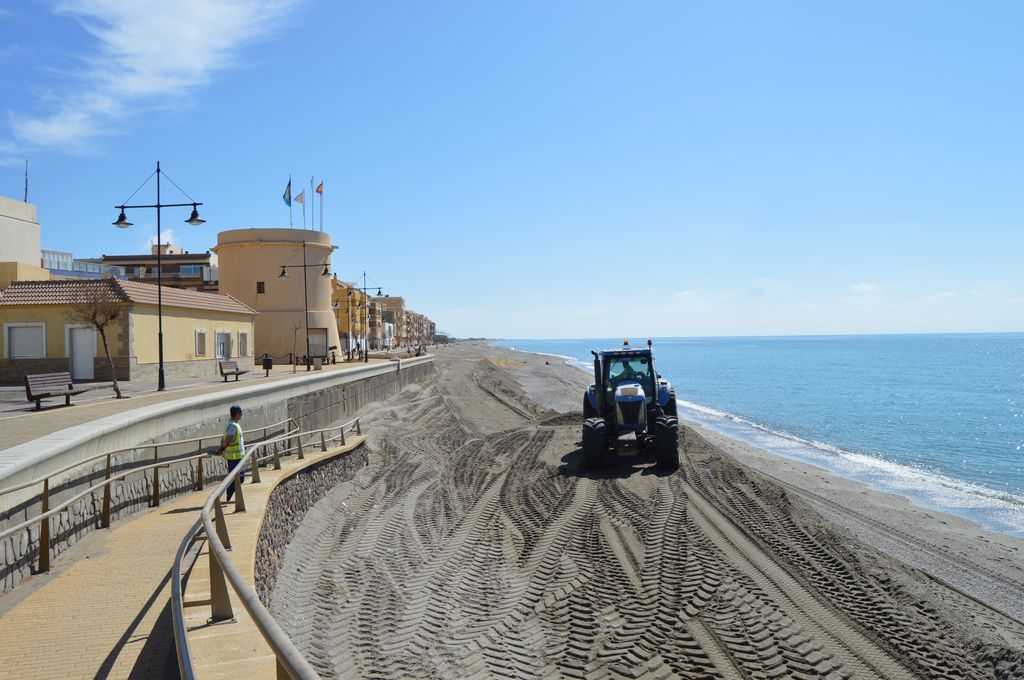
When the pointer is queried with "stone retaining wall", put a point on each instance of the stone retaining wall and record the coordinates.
(313, 409)
(286, 507)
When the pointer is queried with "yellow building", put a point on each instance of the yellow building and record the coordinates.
(200, 329)
(354, 315)
(291, 307)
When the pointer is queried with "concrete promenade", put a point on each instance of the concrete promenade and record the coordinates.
(20, 424)
(104, 611)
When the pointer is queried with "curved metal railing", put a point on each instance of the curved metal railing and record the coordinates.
(213, 526)
(108, 478)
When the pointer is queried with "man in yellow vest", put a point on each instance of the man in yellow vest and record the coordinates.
(232, 446)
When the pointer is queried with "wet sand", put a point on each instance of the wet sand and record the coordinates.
(473, 544)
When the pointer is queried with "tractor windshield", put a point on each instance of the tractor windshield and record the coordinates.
(621, 369)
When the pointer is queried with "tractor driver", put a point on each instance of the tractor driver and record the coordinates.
(628, 372)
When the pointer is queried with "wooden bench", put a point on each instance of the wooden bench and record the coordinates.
(230, 368)
(48, 385)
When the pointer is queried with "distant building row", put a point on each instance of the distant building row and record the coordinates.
(261, 291)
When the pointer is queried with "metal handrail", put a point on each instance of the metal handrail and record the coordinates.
(289, 659)
(50, 513)
(177, 598)
(71, 466)
(47, 512)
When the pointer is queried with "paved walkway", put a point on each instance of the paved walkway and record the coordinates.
(26, 425)
(104, 611)
(226, 651)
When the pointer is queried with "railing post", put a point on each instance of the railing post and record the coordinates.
(220, 603)
(222, 526)
(323, 442)
(44, 531)
(239, 497)
(254, 466)
(156, 477)
(301, 454)
(359, 430)
(277, 458)
(342, 430)
(105, 516)
(199, 468)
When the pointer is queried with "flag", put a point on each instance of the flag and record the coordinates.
(320, 188)
(288, 193)
(301, 197)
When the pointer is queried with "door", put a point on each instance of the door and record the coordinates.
(83, 351)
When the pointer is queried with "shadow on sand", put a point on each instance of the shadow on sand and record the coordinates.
(615, 467)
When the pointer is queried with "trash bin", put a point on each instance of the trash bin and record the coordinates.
(268, 363)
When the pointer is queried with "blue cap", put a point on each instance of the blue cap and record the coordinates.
(236, 409)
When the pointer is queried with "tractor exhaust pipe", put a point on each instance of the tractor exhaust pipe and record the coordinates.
(598, 387)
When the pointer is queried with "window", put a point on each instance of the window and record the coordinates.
(200, 343)
(261, 287)
(243, 344)
(190, 271)
(25, 340)
(223, 345)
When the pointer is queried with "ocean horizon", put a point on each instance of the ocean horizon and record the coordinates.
(937, 418)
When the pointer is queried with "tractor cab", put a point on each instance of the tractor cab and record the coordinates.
(629, 407)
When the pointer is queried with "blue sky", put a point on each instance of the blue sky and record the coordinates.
(556, 169)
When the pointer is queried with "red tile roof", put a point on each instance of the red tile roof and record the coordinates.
(32, 293)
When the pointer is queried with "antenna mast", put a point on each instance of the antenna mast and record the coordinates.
(26, 181)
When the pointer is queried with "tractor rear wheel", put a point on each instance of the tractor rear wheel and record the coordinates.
(595, 443)
(666, 442)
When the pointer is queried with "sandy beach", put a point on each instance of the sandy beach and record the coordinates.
(473, 544)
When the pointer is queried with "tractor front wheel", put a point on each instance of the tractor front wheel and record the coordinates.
(670, 408)
(666, 442)
(595, 443)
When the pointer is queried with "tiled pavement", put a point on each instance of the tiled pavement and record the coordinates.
(105, 614)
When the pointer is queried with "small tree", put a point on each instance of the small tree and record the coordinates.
(98, 307)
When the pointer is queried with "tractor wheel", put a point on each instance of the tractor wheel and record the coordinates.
(588, 410)
(670, 408)
(595, 443)
(666, 442)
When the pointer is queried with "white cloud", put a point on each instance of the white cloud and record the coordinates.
(940, 297)
(166, 235)
(686, 294)
(867, 288)
(147, 55)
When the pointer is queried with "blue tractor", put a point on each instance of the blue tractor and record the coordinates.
(629, 409)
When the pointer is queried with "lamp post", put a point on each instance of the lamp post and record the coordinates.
(305, 291)
(123, 223)
(366, 314)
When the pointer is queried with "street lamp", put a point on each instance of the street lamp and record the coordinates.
(123, 223)
(366, 314)
(305, 291)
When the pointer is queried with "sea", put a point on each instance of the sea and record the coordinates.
(938, 419)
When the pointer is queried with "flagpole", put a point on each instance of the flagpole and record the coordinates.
(290, 224)
(312, 211)
(321, 206)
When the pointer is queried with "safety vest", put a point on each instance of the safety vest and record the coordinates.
(236, 448)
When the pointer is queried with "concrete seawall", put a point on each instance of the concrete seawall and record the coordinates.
(314, 400)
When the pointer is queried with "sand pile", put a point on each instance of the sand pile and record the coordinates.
(473, 545)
